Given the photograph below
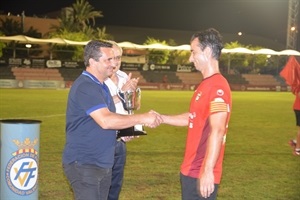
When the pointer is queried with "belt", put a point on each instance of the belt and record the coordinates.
(117, 136)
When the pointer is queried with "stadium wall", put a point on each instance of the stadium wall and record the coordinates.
(49, 84)
(154, 69)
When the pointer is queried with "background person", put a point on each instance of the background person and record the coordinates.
(91, 124)
(295, 144)
(119, 81)
(207, 121)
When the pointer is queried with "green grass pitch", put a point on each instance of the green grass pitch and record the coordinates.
(258, 162)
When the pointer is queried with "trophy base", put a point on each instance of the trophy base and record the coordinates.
(132, 131)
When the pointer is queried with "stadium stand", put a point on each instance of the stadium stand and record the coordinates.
(157, 77)
(70, 74)
(187, 78)
(258, 79)
(190, 77)
(280, 80)
(36, 74)
(137, 74)
(235, 79)
(6, 73)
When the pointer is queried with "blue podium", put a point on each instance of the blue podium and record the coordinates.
(19, 159)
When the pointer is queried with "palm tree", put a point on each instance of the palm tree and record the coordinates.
(76, 22)
(78, 18)
(157, 56)
(66, 22)
(101, 34)
(12, 27)
(83, 13)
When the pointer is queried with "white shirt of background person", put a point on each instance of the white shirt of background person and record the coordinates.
(114, 89)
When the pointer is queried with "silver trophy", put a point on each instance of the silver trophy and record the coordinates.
(132, 101)
(129, 101)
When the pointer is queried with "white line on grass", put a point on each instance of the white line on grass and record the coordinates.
(44, 116)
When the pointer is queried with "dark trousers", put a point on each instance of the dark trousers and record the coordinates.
(88, 181)
(189, 189)
(118, 171)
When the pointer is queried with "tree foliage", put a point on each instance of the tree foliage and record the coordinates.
(2, 45)
(241, 62)
(77, 23)
(154, 55)
(12, 27)
(166, 56)
(84, 13)
(67, 52)
(178, 56)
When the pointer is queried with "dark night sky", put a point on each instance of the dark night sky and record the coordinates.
(266, 18)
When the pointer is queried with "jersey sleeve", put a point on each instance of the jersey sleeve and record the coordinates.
(219, 99)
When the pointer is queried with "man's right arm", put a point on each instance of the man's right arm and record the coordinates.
(110, 120)
(176, 120)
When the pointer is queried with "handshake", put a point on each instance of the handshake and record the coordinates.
(152, 119)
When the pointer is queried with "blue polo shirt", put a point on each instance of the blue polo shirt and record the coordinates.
(86, 141)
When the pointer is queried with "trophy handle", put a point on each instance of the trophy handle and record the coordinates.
(138, 96)
(120, 96)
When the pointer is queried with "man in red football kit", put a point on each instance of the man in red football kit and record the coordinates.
(207, 121)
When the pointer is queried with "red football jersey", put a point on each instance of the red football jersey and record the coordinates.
(212, 95)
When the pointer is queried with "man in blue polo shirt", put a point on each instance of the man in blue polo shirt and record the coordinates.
(91, 124)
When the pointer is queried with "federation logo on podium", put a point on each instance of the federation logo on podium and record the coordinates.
(21, 173)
